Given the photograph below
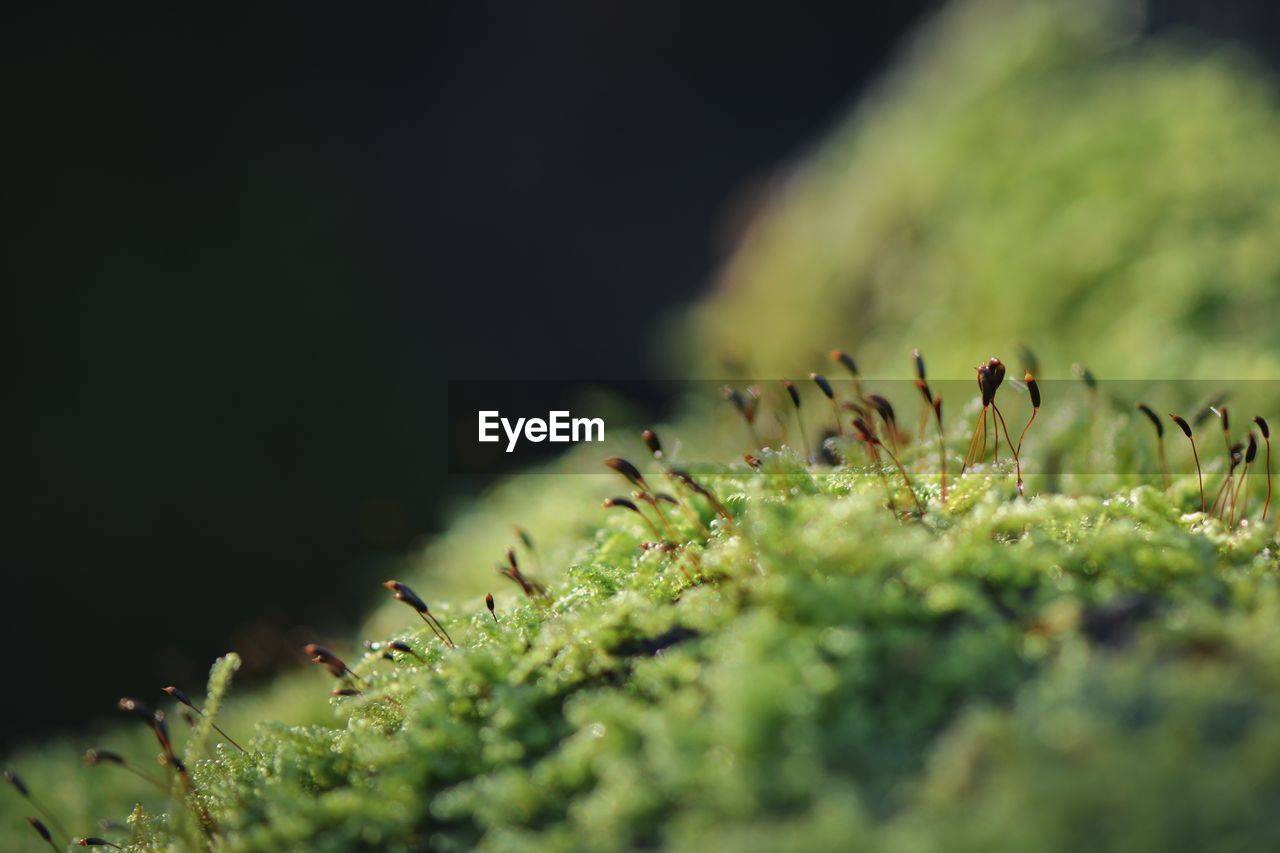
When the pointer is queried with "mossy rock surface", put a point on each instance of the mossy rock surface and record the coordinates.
(1094, 666)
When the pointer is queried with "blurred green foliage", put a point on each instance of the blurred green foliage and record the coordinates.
(1096, 667)
(1032, 173)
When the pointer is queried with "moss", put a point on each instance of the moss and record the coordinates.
(1031, 171)
(1096, 666)
(834, 670)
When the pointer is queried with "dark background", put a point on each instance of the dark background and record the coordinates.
(243, 256)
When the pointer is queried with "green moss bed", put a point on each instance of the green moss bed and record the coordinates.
(1061, 673)
(1095, 665)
